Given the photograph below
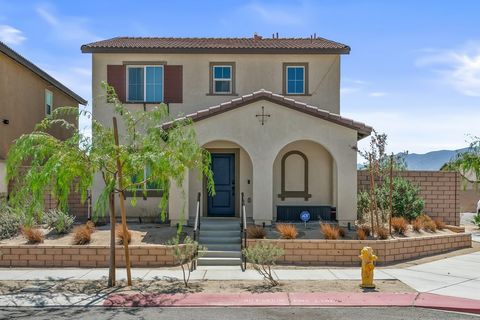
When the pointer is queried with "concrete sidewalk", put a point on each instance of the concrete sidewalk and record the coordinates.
(457, 276)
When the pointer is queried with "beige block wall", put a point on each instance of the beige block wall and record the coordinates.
(439, 189)
(253, 72)
(346, 252)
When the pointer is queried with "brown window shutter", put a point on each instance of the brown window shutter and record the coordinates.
(116, 77)
(173, 84)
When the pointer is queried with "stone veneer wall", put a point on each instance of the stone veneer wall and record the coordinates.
(83, 256)
(439, 189)
(346, 252)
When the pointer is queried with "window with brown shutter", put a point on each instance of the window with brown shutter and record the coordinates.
(173, 86)
(116, 78)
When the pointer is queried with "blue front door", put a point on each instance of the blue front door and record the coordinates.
(223, 203)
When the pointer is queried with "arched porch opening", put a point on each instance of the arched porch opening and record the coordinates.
(304, 178)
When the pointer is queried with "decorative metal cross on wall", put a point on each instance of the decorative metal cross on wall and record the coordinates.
(263, 116)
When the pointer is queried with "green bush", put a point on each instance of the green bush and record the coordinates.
(406, 200)
(10, 221)
(58, 220)
(263, 256)
(185, 255)
(476, 220)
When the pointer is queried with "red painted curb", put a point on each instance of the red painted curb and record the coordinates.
(295, 299)
(436, 301)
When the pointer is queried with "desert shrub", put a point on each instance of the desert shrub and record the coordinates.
(476, 220)
(10, 221)
(58, 220)
(361, 234)
(399, 225)
(256, 232)
(440, 224)
(263, 256)
(363, 205)
(90, 226)
(429, 225)
(382, 233)
(121, 236)
(341, 232)
(329, 232)
(287, 231)
(81, 235)
(406, 198)
(417, 225)
(366, 228)
(185, 255)
(33, 235)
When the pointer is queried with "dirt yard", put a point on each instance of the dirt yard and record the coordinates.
(206, 286)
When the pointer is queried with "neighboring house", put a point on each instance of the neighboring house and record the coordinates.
(268, 110)
(28, 95)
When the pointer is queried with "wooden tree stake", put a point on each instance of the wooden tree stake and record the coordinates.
(122, 205)
(111, 274)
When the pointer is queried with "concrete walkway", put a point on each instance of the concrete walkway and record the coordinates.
(457, 276)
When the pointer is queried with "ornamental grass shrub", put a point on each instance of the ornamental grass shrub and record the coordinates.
(121, 235)
(82, 235)
(440, 224)
(382, 233)
(90, 226)
(400, 225)
(287, 231)
(366, 229)
(256, 232)
(10, 221)
(429, 226)
(33, 235)
(361, 234)
(60, 221)
(329, 232)
(417, 225)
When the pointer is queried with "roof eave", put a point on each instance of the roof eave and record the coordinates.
(345, 50)
(39, 72)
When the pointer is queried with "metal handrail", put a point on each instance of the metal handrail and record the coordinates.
(196, 230)
(243, 232)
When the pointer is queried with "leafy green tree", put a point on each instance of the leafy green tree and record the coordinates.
(38, 161)
(467, 164)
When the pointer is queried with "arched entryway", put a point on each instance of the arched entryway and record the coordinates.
(233, 175)
(304, 177)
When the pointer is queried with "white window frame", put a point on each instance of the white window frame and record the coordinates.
(48, 92)
(286, 79)
(222, 79)
(145, 82)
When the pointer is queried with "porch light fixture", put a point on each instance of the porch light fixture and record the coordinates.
(263, 116)
(5, 121)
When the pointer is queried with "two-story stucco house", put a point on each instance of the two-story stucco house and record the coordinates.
(268, 110)
(28, 94)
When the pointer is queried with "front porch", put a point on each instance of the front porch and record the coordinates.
(298, 158)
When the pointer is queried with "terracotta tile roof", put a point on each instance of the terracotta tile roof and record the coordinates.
(362, 129)
(42, 74)
(227, 45)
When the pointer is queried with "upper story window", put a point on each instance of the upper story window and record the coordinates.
(48, 102)
(295, 79)
(222, 78)
(145, 83)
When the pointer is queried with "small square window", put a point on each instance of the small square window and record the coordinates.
(48, 102)
(222, 79)
(145, 83)
(295, 79)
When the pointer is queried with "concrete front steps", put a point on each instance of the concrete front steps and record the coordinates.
(222, 239)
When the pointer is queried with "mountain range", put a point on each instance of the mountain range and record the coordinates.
(432, 160)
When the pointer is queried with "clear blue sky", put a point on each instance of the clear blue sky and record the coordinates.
(413, 72)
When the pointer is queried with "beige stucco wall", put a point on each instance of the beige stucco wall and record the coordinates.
(264, 143)
(320, 174)
(253, 72)
(23, 102)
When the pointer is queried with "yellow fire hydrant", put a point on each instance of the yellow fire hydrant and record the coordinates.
(368, 259)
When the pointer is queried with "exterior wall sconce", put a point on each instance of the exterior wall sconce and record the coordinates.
(5, 121)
